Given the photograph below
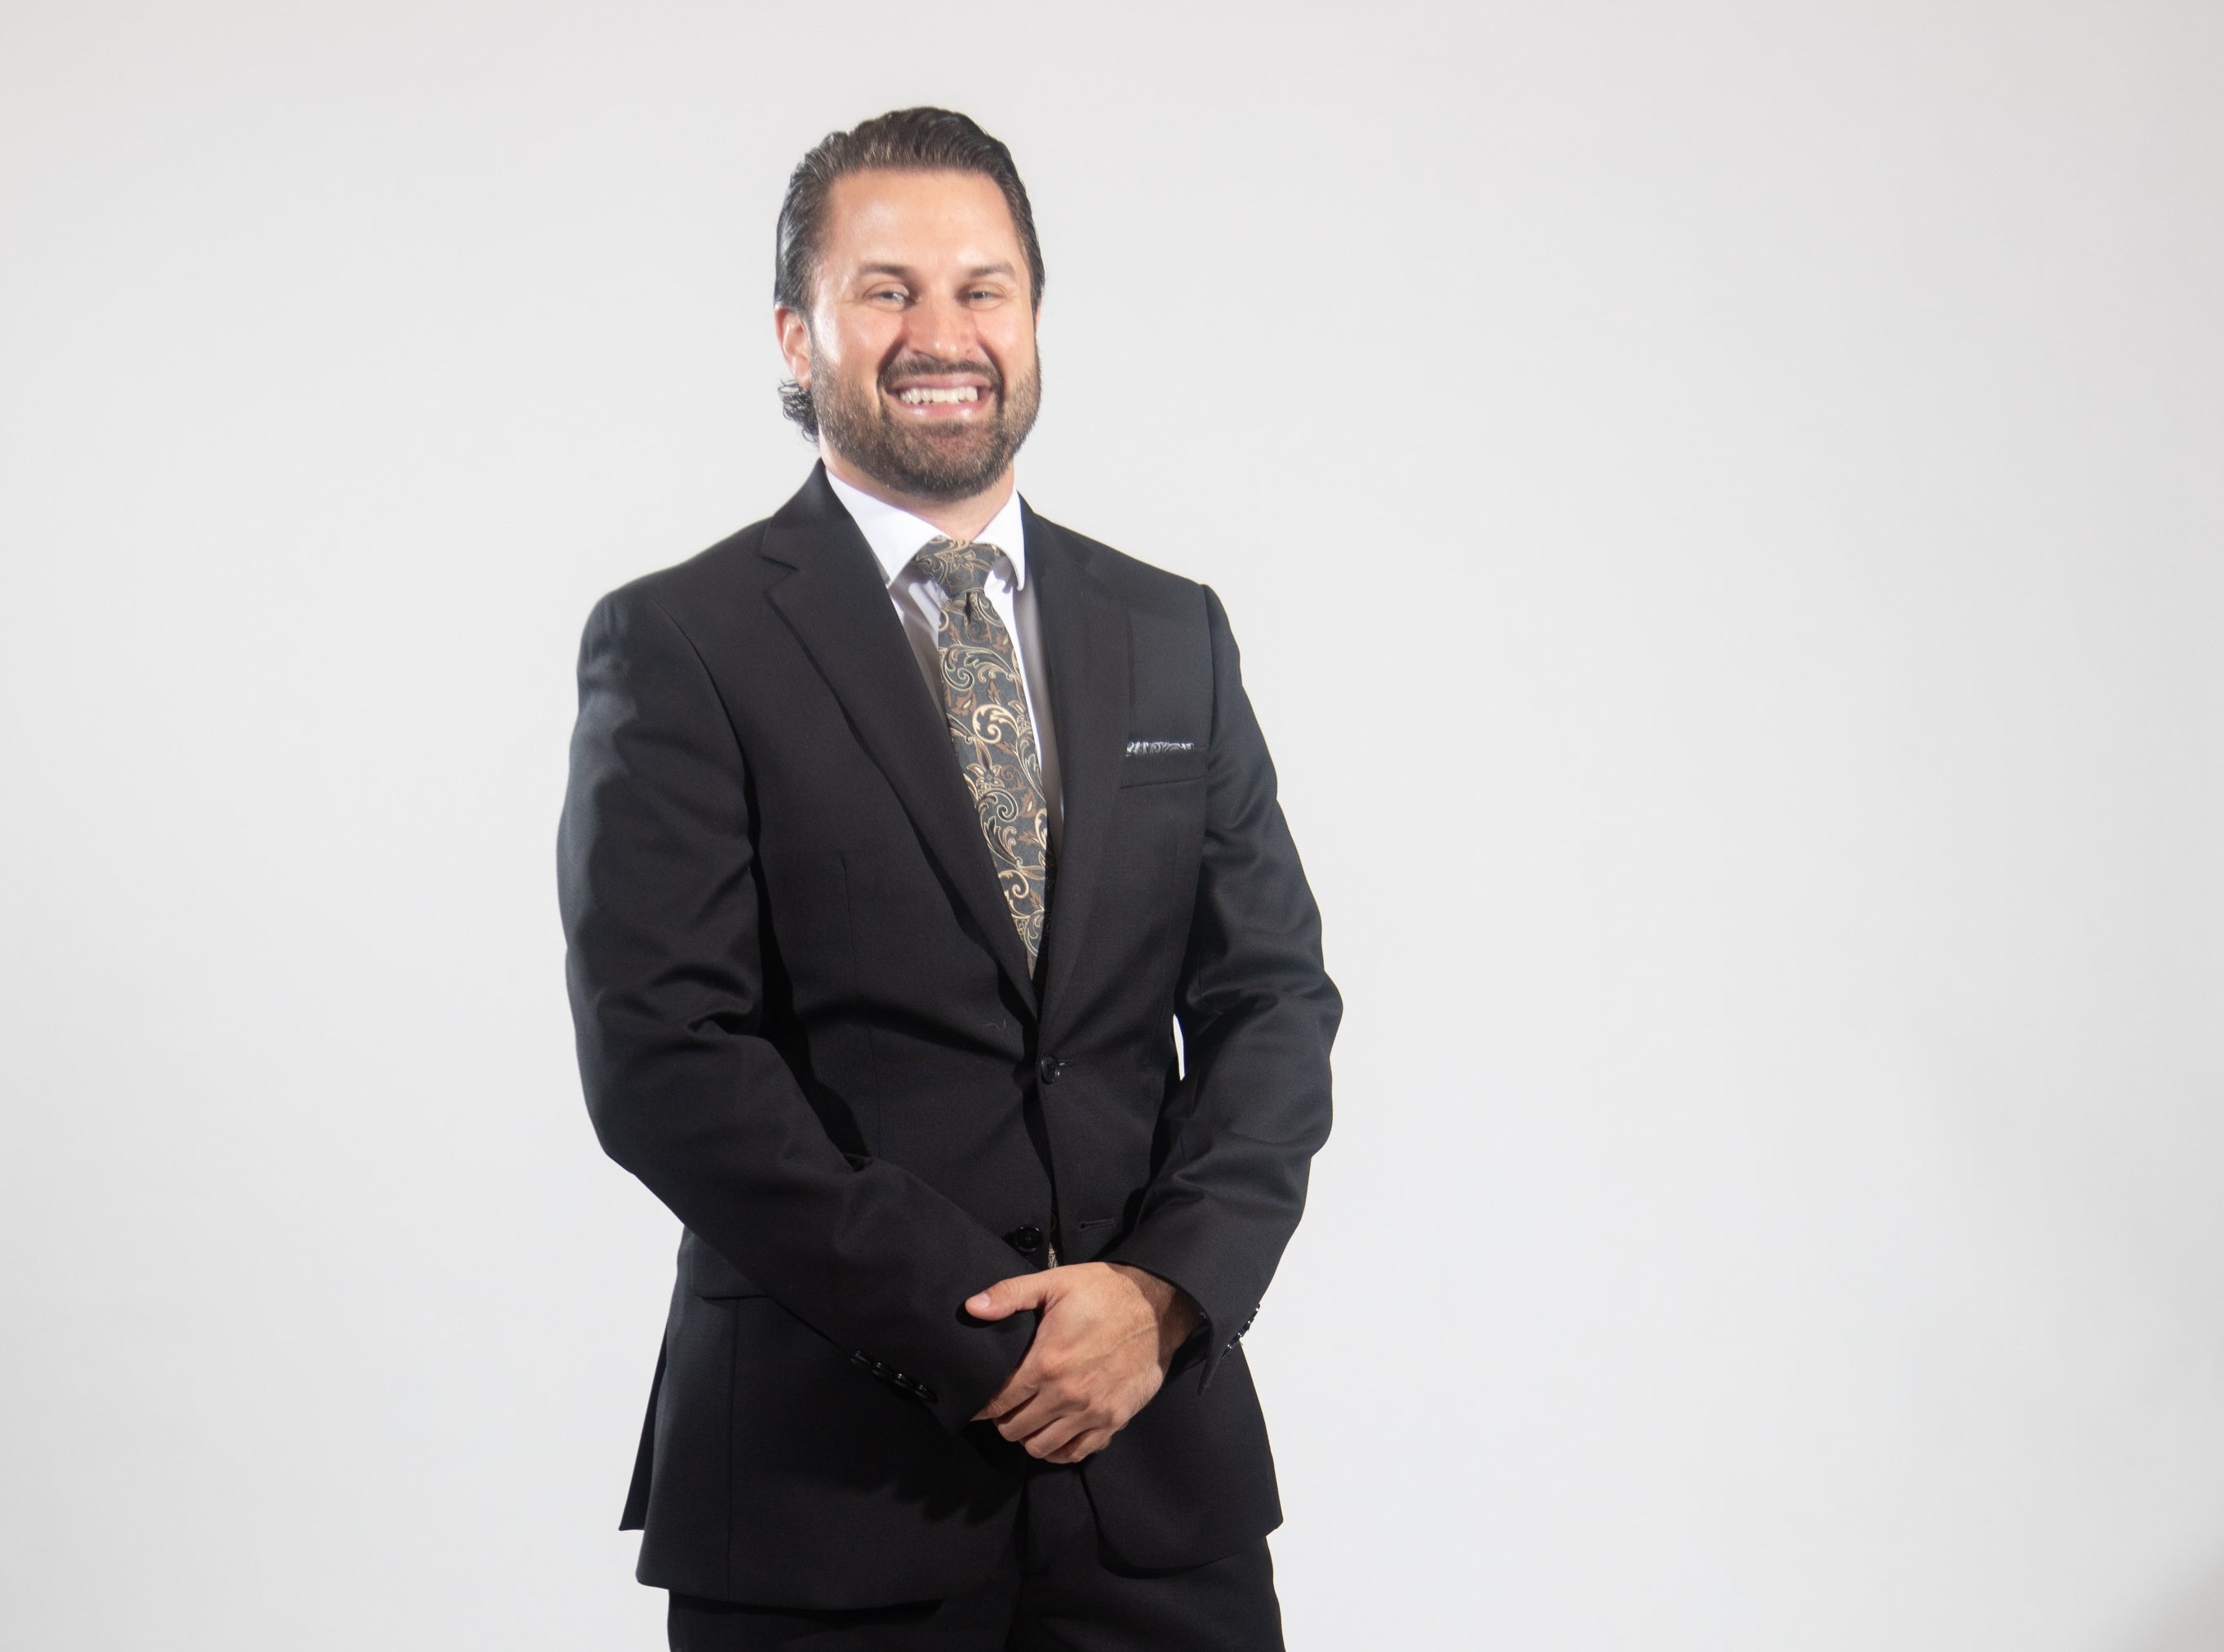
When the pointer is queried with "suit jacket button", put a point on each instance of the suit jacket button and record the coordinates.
(1027, 1239)
(1048, 1068)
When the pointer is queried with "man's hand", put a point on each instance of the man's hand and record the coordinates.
(1108, 1333)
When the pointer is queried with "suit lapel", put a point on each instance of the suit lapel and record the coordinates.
(837, 602)
(1085, 634)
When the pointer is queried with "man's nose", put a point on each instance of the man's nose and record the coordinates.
(945, 328)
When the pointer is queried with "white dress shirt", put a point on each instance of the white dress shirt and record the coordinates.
(896, 536)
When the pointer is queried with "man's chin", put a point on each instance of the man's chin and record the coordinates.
(940, 466)
(943, 459)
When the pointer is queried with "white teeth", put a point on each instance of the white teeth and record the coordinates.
(919, 397)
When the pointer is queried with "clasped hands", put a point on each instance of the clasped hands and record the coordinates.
(1108, 1333)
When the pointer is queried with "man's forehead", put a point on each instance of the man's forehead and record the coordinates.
(890, 215)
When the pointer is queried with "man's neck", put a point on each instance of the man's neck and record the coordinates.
(962, 519)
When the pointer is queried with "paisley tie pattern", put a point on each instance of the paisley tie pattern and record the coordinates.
(995, 737)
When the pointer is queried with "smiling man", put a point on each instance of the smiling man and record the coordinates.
(905, 830)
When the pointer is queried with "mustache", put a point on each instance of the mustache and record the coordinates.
(903, 366)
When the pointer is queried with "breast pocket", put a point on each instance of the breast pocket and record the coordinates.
(1156, 760)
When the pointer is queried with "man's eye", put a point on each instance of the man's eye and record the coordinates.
(886, 295)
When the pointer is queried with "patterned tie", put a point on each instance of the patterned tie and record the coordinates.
(987, 706)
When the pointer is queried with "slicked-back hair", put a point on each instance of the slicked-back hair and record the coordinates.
(904, 139)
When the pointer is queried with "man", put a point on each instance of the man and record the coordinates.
(904, 827)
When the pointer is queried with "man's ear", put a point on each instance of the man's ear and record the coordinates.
(791, 327)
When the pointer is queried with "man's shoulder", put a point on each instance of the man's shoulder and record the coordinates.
(709, 580)
(1138, 584)
(719, 568)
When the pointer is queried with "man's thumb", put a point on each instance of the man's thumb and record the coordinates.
(1007, 1296)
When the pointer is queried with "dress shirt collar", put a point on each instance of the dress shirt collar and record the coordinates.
(896, 535)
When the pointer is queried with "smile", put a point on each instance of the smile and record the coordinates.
(917, 397)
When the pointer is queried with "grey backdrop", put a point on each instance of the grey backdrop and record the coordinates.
(1762, 463)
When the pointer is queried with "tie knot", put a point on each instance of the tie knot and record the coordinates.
(960, 570)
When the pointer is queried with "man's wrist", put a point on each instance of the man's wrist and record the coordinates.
(1177, 1314)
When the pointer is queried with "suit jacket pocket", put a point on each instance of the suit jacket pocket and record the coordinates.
(1151, 763)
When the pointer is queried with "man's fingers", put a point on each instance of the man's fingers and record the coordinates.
(1030, 1416)
(1082, 1445)
(1029, 1385)
(1053, 1437)
(1001, 1300)
(1025, 1382)
(1007, 1296)
(1016, 1392)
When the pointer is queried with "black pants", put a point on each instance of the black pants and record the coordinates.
(1056, 1590)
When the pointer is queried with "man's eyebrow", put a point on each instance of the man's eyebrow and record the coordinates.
(1001, 268)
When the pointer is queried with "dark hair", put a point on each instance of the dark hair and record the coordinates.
(903, 139)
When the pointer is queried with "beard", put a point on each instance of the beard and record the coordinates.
(942, 462)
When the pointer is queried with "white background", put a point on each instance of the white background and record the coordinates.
(1771, 832)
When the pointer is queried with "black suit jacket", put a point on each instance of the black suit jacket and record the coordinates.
(807, 1022)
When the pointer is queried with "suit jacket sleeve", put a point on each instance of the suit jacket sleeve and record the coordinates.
(1257, 1013)
(662, 909)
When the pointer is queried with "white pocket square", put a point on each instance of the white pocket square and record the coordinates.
(1158, 748)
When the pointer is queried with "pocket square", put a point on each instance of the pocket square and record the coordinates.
(1158, 748)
